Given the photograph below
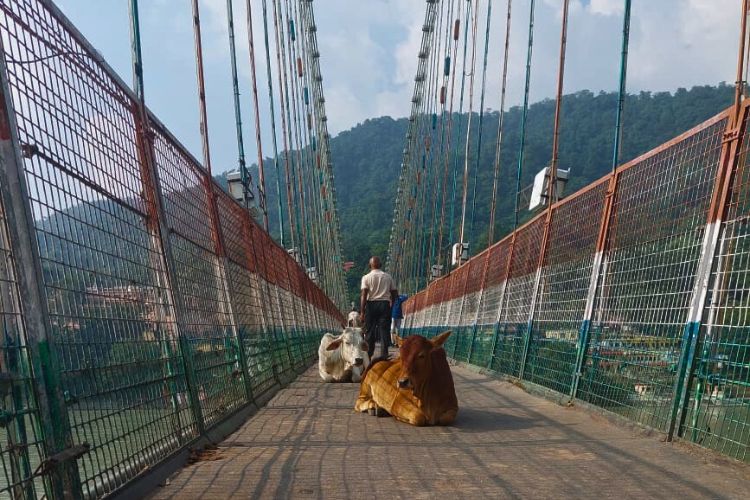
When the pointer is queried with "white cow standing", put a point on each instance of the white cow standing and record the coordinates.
(343, 358)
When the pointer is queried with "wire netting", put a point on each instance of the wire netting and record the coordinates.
(564, 285)
(464, 332)
(488, 317)
(115, 340)
(611, 299)
(22, 443)
(719, 404)
(168, 306)
(207, 324)
(518, 295)
(656, 230)
(246, 293)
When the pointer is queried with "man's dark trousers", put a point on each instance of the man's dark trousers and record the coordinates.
(378, 325)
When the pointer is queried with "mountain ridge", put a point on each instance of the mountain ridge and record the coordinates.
(367, 158)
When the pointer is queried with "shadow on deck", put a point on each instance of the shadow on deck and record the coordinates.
(308, 443)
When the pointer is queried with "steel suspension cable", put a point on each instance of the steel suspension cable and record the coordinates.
(418, 166)
(419, 197)
(467, 148)
(333, 272)
(500, 124)
(281, 29)
(309, 182)
(272, 110)
(440, 185)
(296, 132)
(236, 94)
(300, 147)
(256, 109)
(428, 132)
(431, 126)
(481, 118)
(317, 183)
(443, 206)
(314, 179)
(414, 135)
(469, 13)
(283, 104)
(403, 232)
(525, 112)
(552, 186)
(308, 228)
(418, 159)
(201, 86)
(325, 260)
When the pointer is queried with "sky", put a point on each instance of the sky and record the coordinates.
(369, 55)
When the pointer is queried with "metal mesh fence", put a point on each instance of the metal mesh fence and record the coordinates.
(656, 230)
(563, 288)
(168, 307)
(490, 307)
(595, 304)
(206, 321)
(719, 403)
(518, 296)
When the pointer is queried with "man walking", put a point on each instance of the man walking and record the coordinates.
(378, 294)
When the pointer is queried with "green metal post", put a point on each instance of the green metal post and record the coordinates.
(585, 329)
(135, 48)
(723, 184)
(64, 479)
(623, 81)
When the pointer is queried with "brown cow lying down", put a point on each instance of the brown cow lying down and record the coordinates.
(417, 388)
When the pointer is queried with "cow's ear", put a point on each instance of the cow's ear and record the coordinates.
(440, 339)
(333, 345)
(399, 341)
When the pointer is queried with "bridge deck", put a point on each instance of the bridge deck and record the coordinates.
(308, 443)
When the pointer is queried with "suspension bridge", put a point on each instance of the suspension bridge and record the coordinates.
(158, 328)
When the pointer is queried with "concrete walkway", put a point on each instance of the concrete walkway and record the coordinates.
(308, 443)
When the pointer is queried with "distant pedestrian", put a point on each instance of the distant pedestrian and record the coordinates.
(378, 295)
(397, 317)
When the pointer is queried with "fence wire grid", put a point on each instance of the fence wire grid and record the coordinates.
(168, 308)
(593, 298)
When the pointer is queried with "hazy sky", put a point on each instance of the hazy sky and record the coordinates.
(369, 48)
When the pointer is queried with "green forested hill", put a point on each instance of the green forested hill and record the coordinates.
(367, 157)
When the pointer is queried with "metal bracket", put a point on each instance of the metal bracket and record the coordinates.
(731, 135)
(29, 150)
(71, 453)
(69, 398)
